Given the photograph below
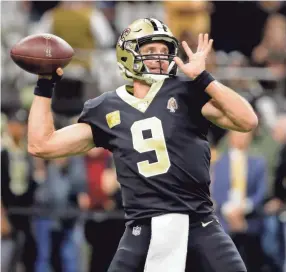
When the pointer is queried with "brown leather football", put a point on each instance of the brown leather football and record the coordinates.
(42, 53)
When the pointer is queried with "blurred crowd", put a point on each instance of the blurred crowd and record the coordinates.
(66, 214)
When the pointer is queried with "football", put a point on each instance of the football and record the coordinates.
(42, 54)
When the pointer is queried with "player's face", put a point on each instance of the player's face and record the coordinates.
(159, 64)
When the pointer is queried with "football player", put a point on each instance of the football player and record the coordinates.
(156, 128)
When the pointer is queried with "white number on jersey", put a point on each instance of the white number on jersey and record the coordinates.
(156, 143)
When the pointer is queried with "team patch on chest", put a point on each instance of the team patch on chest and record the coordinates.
(172, 104)
(113, 118)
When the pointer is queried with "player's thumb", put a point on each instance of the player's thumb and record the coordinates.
(60, 72)
(57, 75)
(179, 62)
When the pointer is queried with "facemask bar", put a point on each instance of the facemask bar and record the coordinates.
(172, 67)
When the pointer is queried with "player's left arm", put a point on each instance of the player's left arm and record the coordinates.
(226, 109)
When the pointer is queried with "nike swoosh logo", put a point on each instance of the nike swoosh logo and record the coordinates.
(137, 30)
(207, 223)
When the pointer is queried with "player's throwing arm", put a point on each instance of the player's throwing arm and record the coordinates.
(43, 54)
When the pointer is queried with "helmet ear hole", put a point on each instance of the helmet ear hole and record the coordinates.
(136, 67)
(124, 59)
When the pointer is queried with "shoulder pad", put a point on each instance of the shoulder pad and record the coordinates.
(94, 102)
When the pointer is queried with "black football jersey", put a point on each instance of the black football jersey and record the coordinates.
(159, 145)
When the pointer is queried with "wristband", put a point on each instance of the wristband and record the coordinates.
(44, 88)
(203, 80)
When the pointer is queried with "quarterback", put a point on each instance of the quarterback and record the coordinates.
(156, 127)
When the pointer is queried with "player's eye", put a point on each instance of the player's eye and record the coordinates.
(165, 51)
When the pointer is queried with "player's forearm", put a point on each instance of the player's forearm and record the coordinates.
(236, 108)
(40, 125)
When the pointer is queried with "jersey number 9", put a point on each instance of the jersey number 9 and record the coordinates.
(156, 143)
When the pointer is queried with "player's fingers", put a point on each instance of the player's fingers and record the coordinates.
(209, 46)
(179, 62)
(200, 42)
(57, 75)
(187, 49)
(206, 40)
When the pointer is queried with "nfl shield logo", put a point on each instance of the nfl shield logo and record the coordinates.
(136, 231)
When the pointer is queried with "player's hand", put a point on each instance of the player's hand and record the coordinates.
(197, 61)
(236, 220)
(55, 77)
(273, 206)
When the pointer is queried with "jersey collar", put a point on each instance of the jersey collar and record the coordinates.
(140, 104)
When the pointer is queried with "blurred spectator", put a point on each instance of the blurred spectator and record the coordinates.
(5, 224)
(271, 53)
(11, 32)
(36, 9)
(193, 16)
(278, 199)
(279, 129)
(272, 49)
(230, 17)
(17, 191)
(280, 177)
(239, 186)
(227, 21)
(63, 182)
(6, 242)
(272, 6)
(128, 11)
(98, 161)
(81, 25)
(264, 105)
(85, 28)
(104, 193)
(108, 8)
(3, 123)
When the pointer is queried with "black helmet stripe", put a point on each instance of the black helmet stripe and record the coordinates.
(158, 25)
(164, 26)
(154, 25)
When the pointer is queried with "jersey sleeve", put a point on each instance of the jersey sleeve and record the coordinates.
(197, 98)
(200, 96)
(92, 115)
